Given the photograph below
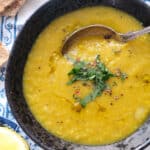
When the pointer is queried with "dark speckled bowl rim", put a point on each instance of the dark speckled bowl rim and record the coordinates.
(30, 121)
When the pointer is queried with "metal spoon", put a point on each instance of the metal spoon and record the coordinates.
(101, 30)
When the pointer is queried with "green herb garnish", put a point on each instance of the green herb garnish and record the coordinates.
(123, 76)
(97, 73)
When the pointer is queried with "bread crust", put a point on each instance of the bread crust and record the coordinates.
(13, 8)
(4, 4)
(3, 54)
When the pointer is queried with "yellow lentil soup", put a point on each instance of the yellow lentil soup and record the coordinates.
(114, 114)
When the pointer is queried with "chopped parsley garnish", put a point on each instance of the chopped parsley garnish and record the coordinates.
(123, 76)
(96, 72)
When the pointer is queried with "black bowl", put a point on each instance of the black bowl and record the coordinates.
(22, 47)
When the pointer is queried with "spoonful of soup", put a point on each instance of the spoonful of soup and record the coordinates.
(103, 31)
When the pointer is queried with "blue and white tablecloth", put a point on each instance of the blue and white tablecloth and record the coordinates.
(9, 28)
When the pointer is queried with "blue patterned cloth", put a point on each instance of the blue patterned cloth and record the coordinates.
(9, 28)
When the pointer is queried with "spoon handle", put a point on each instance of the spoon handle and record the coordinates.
(132, 35)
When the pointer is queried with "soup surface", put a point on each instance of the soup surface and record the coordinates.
(111, 116)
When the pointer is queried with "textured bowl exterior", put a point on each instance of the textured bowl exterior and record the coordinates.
(19, 54)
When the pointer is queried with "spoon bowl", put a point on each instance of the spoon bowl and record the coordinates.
(103, 31)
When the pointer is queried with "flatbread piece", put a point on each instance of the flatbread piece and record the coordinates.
(3, 55)
(5, 3)
(13, 8)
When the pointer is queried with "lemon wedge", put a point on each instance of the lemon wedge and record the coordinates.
(10, 140)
